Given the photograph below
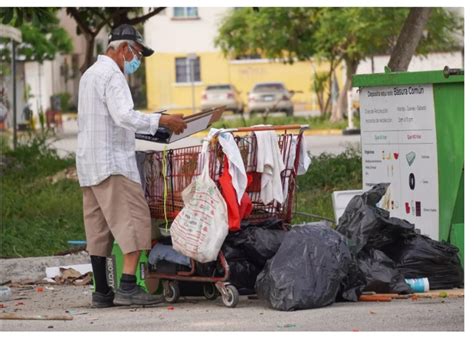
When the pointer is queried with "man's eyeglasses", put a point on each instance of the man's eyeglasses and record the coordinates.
(138, 53)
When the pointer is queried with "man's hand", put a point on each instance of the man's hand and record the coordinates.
(174, 122)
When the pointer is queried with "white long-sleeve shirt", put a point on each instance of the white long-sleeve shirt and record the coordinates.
(107, 125)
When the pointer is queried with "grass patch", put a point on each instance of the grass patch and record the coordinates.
(327, 173)
(37, 217)
(313, 122)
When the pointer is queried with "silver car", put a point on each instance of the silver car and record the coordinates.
(270, 97)
(220, 95)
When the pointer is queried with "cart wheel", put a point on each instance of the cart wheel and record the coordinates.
(171, 291)
(232, 298)
(210, 291)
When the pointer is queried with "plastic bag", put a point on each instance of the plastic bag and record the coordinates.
(365, 224)
(353, 283)
(259, 244)
(200, 228)
(307, 270)
(381, 274)
(418, 256)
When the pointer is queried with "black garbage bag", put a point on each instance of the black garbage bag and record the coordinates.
(353, 283)
(365, 224)
(243, 275)
(259, 244)
(419, 256)
(307, 270)
(381, 274)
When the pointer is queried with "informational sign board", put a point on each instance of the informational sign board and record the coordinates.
(398, 134)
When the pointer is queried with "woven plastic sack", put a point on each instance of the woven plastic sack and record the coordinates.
(200, 228)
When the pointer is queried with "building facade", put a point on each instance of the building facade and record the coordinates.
(179, 32)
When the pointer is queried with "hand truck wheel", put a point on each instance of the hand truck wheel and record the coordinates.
(210, 291)
(171, 291)
(231, 296)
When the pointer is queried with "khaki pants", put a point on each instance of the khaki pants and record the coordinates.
(116, 209)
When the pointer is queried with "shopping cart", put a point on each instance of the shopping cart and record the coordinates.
(167, 173)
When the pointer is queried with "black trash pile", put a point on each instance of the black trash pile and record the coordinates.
(307, 270)
(389, 250)
(247, 251)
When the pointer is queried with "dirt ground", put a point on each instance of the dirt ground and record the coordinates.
(198, 314)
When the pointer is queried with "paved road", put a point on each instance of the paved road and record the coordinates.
(317, 144)
(198, 314)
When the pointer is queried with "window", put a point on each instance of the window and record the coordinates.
(185, 12)
(183, 70)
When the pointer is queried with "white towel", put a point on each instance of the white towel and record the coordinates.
(236, 164)
(303, 162)
(270, 164)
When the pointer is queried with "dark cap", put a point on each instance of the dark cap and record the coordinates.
(128, 32)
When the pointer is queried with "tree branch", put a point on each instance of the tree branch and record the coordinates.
(145, 17)
(72, 11)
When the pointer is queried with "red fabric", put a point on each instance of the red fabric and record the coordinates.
(235, 211)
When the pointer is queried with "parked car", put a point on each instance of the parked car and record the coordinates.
(222, 94)
(270, 97)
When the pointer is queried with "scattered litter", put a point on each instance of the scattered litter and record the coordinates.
(49, 280)
(5, 293)
(289, 325)
(76, 274)
(19, 303)
(414, 297)
(50, 326)
(375, 297)
(73, 271)
(15, 316)
(76, 312)
(40, 289)
(372, 312)
(170, 308)
(49, 288)
(2, 306)
(443, 294)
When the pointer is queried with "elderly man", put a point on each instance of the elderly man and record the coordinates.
(113, 200)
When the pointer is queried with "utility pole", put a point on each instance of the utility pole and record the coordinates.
(192, 57)
(14, 92)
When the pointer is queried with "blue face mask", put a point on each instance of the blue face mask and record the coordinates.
(130, 67)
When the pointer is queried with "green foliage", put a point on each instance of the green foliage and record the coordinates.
(65, 99)
(327, 173)
(328, 33)
(42, 36)
(16, 16)
(284, 33)
(37, 217)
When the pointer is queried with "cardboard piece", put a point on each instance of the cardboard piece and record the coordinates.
(195, 123)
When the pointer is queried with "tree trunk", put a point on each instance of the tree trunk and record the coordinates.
(341, 107)
(89, 55)
(409, 38)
